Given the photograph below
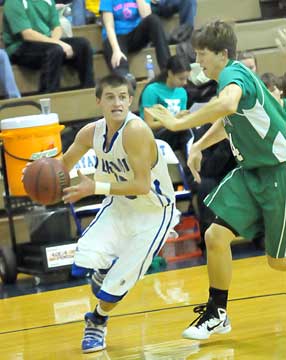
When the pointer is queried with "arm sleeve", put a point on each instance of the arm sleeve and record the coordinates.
(106, 5)
(241, 78)
(16, 16)
(55, 20)
(149, 97)
(231, 76)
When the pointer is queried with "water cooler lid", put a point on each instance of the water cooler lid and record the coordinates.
(29, 121)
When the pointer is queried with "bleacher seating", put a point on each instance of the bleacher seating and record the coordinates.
(69, 105)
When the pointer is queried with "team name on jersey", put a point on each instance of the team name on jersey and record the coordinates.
(118, 168)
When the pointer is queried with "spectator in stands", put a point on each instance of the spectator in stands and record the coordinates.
(187, 9)
(32, 35)
(129, 25)
(8, 84)
(167, 89)
(271, 82)
(248, 58)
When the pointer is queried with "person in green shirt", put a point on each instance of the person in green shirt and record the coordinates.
(251, 198)
(33, 38)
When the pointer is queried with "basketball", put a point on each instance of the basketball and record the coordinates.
(44, 180)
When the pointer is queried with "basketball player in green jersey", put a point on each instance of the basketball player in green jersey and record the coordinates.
(252, 197)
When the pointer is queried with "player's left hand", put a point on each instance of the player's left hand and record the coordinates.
(194, 162)
(84, 188)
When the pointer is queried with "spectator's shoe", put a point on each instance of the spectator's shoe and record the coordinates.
(94, 334)
(212, 320)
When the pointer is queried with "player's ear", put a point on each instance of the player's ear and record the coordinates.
(130, 100)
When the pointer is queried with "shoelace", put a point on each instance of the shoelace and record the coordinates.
(203, 312)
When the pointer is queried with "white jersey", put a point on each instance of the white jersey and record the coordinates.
(113, 166)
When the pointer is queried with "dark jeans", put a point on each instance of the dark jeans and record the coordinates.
(149, 30)
(50, 58)
(187, 9)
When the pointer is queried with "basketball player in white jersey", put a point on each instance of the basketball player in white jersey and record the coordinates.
(137, 213)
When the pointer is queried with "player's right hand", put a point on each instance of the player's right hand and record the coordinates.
(195, 161)
(84, 188)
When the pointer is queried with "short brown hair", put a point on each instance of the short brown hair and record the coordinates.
(216, 36)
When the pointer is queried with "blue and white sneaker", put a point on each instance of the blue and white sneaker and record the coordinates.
(94, 334)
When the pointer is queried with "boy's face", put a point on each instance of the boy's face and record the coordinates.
(211, 63)
(115, 102)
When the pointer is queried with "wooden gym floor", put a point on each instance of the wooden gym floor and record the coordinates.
(148, 323)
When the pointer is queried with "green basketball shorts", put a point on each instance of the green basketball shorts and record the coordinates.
(254, 201)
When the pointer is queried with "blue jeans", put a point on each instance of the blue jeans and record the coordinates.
(187, 9)
(78, 12)
(7, 81)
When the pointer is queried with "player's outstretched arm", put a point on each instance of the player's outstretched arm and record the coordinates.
(225, 104)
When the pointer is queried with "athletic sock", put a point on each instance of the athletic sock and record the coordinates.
(218, 297)
(101, 315)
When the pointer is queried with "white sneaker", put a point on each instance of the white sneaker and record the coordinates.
(212, 320)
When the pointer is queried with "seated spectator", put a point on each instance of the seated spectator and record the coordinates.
(8, 84)
(248, 58)
(128, 27)
(32, 35)
(187, 9)
(167, 89)
(271, 82)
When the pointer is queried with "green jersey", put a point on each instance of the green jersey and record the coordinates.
(19, 15)
(257, 131)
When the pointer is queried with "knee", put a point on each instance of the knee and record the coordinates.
(81, 47)
(217, 238)
(277, 264)
(55, 51)
(153, 20)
